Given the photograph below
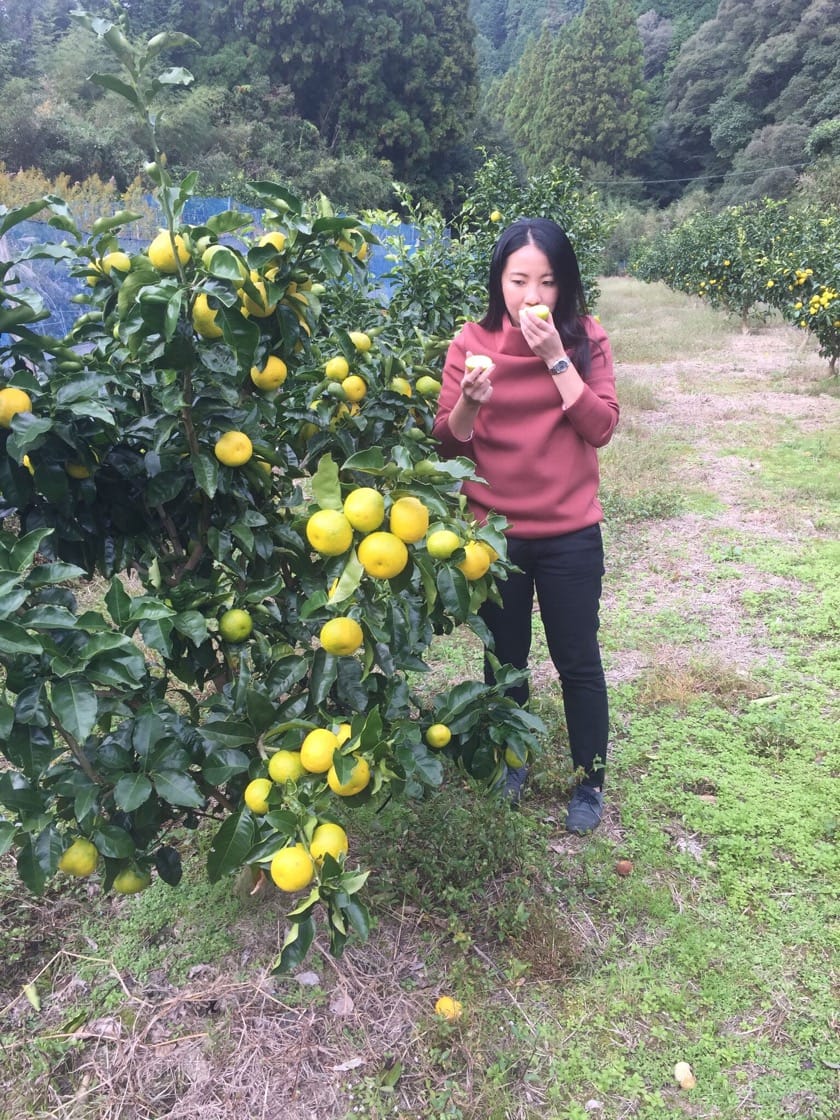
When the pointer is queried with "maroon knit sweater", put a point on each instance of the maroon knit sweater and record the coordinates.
(538, 459)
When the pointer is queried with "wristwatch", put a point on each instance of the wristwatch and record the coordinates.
(560, 366)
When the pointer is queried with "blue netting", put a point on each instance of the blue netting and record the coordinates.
(52, 280)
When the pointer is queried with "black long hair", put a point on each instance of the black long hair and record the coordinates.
(570, 308)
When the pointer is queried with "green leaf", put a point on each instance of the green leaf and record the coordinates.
(296, 946)
(7, 836)
(113, 842)
(21, 214)
(178, 789)
(206, 471)
(193, 625)
(231, 845)
(26, 549)
(326, 487)
(117, 85)
(131, 791)
(56, 572)
(276, 195)
(371, 459)
(222, 765)
(75, 706)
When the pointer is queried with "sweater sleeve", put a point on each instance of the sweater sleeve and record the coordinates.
(453, 371)
(594, 414)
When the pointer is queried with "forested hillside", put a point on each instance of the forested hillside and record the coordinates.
(346, 96)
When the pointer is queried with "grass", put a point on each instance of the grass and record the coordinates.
(581, 987)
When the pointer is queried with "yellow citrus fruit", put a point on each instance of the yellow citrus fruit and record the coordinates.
(428, 386)
(400, 385)
(382, 555)
(77, 470)
(476, 562)
(235, 625)
(272, 375)
(514, 760)
(27, 462)
(361, 341)
(234, 449)
(13, 401)
(448, 1008)
(495, 216)
(273, 237)
(259, 307)
(491, 552)
(359, 778)
(204, 318)
(345, 732)
(317, 750)
(292, 868)
(541, 310)
(336, 369)
(131, 881)
(442, 543)
(364, 508)
(119, 260)
(477, 361)
(329, 532)
(285, 766)
(438, 735)
(328, 839)
(80, 859)
(256, 795)
(162, 255)
(341, 636)
(409, 519)
(355, 388)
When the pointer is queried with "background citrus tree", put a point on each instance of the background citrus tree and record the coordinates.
(232, 544)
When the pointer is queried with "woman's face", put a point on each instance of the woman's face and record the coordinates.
(527, 280)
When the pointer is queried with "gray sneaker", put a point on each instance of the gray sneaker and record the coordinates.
(585, 810)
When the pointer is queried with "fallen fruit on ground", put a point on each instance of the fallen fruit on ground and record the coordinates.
(317, 750)
(341, 636)
(292, 868)
(684, 1076)
(448, 1008)
(233, 449)
(235, 625)
(256, 795)
(80, 859)
(624, 867)
(328, 839)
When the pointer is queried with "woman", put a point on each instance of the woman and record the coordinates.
(531, 422)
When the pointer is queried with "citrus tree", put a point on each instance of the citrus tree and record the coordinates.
(231, 545)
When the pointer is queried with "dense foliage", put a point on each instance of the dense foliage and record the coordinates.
(225, 505)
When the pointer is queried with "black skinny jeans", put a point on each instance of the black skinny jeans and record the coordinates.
(566, 573)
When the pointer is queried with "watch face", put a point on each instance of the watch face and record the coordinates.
(560, 365)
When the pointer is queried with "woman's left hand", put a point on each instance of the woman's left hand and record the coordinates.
(541, 335)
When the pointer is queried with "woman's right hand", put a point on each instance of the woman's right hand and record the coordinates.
(476, 384)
